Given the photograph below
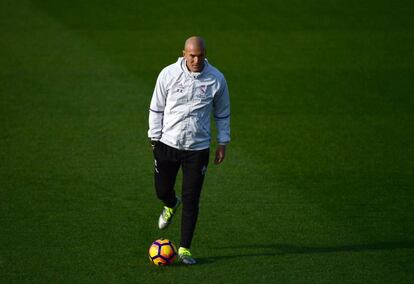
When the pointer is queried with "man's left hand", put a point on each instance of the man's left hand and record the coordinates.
(220, 153)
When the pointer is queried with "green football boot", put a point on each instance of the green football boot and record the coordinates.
(184, 256)
(167, 215)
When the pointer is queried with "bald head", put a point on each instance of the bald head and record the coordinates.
(194, 53)
(195, 41)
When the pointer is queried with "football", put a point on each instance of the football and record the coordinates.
(162, 252)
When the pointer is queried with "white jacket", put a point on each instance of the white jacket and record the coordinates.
(182, 103)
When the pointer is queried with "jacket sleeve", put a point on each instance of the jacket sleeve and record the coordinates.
(222, 114)
(157, 106)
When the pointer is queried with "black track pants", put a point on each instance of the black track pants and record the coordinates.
(168, 161)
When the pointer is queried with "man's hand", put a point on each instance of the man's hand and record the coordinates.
(220, 153)
(153, 143)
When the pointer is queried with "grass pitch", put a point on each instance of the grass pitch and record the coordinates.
(318, 183)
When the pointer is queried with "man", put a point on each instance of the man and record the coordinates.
(185, 95)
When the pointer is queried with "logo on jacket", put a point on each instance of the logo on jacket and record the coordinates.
(203, 89)
(180, 89)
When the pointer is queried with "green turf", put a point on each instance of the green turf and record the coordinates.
(318, 183)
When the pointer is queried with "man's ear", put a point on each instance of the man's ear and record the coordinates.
(183, 53)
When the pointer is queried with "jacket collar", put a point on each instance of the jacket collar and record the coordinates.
(187, 72)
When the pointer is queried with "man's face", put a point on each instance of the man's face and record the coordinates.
(194, 56)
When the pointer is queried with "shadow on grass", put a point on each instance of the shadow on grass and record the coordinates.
(286, 249)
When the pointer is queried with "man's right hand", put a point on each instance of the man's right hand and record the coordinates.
(153, 143)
